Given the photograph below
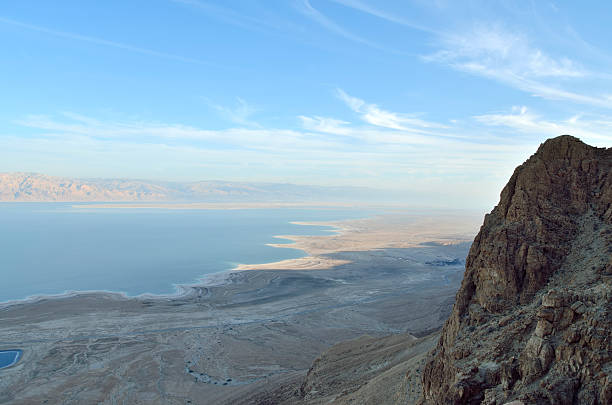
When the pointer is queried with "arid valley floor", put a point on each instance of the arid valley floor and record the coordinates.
(260, 327)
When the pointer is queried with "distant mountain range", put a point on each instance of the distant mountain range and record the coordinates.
(43, 188)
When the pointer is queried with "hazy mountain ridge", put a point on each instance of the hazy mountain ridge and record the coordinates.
(44, 188)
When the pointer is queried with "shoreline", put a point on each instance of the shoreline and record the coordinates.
(181, 291)
(366, 234)
(352, 235)
(307, 262)
(215, 205)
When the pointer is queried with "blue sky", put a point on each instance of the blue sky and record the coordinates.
(438, 98)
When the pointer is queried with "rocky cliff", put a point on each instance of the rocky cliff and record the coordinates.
(532, 318)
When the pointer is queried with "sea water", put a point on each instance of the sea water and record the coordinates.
(9, 357)
(53, 248)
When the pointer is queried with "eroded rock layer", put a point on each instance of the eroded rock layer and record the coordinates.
(531, 321)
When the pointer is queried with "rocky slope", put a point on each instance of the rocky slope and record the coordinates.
(366, 370)
(532, 318)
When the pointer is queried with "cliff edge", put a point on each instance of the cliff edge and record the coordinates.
(532, 317)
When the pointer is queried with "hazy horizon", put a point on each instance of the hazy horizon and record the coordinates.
(212, 194)
(438, 100)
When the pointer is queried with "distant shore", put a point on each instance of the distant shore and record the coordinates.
(216, 205)
(375, 233)
(346, 236)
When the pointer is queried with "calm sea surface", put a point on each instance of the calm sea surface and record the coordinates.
(52, 248)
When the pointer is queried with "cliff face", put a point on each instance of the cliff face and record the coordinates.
(532, 318)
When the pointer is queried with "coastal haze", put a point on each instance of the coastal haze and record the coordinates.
(38, 187)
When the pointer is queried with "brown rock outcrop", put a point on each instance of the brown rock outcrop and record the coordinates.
(531, 321)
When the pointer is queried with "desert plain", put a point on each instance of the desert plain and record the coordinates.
(246, 332)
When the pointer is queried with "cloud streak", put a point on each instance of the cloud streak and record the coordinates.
(240, 114)
(308, 10)
(318, 137)
(509, 58)
(382, 154)
(325, 125)
(497, 53)
(594, 131)
(490, 48)
(374, 115)
(394, 18)
(104, 42)
(225, 14)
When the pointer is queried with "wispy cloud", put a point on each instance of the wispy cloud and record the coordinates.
(491, 48)
(373, 155)
(594, 130)
(240, 114)
(103, 42)
(488, 50)
(319, 135)
(263, 139)
(224, 14)
(308, 10)
(493, 52)
(374, 115)
(376, 12)
(325, 125)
